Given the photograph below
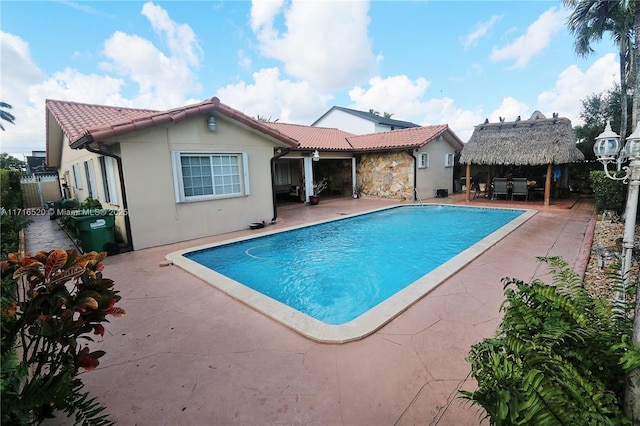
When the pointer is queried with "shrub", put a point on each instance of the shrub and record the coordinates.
(11, 199)
(51, 303)
(10, 192)
(609, 194)
(560, 357)
(70, 204)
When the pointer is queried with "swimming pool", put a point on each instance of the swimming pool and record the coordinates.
(341, 280)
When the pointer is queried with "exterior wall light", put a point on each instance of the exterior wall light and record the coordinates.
(212, 123)
(316, 155)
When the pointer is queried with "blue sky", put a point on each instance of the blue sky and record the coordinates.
(429, 62)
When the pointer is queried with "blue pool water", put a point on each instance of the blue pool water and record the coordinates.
(336, 271)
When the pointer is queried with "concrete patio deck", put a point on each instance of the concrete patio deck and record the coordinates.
(187, 354)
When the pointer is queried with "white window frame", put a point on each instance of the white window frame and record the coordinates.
(90, 174)
(109, 188)
(178, 181)
(77, 177)
(448, 160)
(423, 160)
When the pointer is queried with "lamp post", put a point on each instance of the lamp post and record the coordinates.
(607, 150)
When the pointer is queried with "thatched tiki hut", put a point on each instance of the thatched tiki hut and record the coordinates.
(537, 141)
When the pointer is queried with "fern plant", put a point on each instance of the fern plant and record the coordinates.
(559, 358)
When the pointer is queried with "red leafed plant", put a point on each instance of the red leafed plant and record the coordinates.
(52, 303)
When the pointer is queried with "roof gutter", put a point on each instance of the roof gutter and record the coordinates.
(284, 152)
(127, 222)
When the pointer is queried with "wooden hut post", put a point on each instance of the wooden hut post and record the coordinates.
(547, 185)
(468, 182)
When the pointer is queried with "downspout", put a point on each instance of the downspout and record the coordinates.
(127, 223)
(273, 181)
(411, 152)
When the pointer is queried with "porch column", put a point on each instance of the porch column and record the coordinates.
(468, 183)
(308, 178)
(547, 185)
(353, 175)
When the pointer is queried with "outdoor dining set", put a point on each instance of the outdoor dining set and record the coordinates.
(510, 189)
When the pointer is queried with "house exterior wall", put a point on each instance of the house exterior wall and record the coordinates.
(156, 217)
(74, 164)
(347, 122)
(437, 175)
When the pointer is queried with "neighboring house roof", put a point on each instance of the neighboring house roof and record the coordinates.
(36, 165)
(83, 123)
(536, 141)
(370, 117)
(323, 138)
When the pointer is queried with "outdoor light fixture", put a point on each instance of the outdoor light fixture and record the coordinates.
(212, 123)
(607, 150)
(316, 155)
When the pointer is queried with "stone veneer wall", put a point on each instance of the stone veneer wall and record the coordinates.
(386, 174)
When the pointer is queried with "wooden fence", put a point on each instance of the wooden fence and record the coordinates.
(38, 190)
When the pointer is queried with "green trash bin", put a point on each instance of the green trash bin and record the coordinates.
(95, 228)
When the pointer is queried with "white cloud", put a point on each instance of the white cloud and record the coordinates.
(573, 85)
(482, 28)
(243, 60)
(509, 109)
(180, 38)
(162, 79)
(271, 97)
(262, 14)
(19, 72)
(325, 43)
(404, 98)
(397, 95)
(538, 36)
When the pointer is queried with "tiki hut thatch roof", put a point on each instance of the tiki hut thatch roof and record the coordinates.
(536, 141)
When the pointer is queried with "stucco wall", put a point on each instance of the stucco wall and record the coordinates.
(156, 217)
(68, 158)
(346, 122)
(436, 176)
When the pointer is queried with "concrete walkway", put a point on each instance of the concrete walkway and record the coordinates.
(187, 354)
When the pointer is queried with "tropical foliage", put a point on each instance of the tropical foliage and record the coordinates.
(608, 194)
(596, 109)
(590, 20)
(10, 201)
(560, 356)
(52, 304)
(6, 115)
(10, 162)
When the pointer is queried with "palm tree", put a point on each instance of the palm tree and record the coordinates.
(6, 115)
(590, 20)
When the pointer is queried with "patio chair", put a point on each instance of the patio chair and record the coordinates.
(520, 188)
(500, 188)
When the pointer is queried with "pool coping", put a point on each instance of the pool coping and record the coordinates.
(365, 324)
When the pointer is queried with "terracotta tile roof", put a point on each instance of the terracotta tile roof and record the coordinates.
(84, 123)
(75, 118)
(414, 137)
(315, 137)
